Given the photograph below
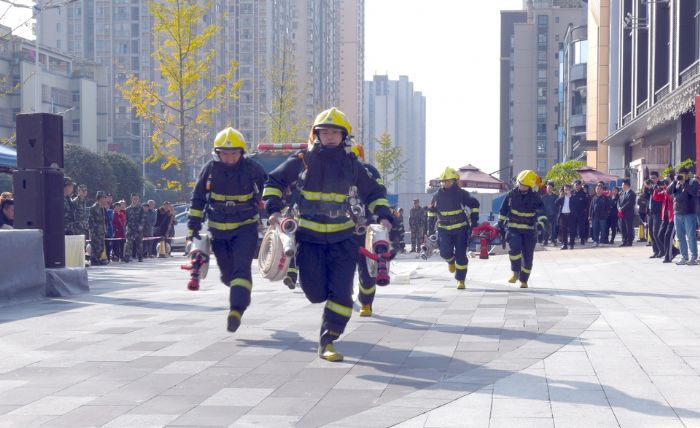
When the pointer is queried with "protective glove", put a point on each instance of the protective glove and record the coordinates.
(274, 218)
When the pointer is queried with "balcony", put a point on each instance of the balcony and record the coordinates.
(626, 118)
(578, 72)
(690, 72)
(577, 121)
(642, 107)
(662, 93)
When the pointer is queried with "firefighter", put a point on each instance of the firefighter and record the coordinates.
(368, 284)
(327, 175)
(227, 192)
(523, 209)
(455, 210)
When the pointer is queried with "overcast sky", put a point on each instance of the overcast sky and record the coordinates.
(450, 51)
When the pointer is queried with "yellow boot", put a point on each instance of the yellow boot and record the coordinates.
(460, 285)
(451, 267)
(328, 353)
(514, 277)
(523, 284)
(366, 311)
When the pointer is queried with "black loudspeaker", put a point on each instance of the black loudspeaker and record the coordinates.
(39, 205)
(39, 141)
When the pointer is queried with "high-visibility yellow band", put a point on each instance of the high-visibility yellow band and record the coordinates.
(272, 191)
(450, 260)
(325, 228)
(237, 198)
(462, 267)
(453, 226)
(241, 282)
(339, 309)
(325, 197)
(502, 217)
(520, 226)
(521, 214)
(232, 226)
(526, 270)
(431, 214)
(380, 181)
(381, 202)
(542, 218)
(294, 270)
(235, 314)
(455, 212)
(476, 210)
(195, 213)
(368, 291)
(516, 257)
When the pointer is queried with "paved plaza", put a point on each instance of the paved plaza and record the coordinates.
(605, 337)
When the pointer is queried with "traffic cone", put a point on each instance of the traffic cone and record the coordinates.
(161, 250)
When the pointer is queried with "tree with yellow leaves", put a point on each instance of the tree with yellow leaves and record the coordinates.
(282, 120)
(180, 108)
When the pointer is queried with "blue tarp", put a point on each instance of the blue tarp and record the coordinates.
(8, 157)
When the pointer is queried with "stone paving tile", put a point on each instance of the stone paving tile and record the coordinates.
(88, 416)
(210, 416)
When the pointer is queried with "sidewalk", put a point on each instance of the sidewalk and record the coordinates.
(606, 337)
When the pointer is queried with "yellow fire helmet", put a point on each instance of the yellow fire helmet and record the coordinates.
(228, 139)
(530, 179)
(359, 151)
(333, 118)
(449, 174)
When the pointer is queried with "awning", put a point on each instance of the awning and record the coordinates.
(8, 158)
(474, 178)
(590, 175)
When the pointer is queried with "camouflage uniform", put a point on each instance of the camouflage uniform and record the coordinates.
(81, 218)
(70, 225)
(96, 224)
(416, 221)
(135, 220)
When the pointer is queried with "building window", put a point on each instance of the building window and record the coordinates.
(541, 147)
(76, 125)
(541, 75)
(581, 52)
(541, 112)
(542, 39)
(556, 19)
(542, 20)
(541, 166)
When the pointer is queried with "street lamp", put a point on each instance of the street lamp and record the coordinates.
(143, 156)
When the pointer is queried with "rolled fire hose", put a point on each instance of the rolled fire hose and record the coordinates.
(277, 249)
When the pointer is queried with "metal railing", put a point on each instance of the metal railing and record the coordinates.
(662, 93)
(626, 118)
(690, 72)
(642, 107)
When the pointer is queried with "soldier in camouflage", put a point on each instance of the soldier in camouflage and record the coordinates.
(81, 216)
(416, 221)
(96, 223)
(135, 220)
(70, 225)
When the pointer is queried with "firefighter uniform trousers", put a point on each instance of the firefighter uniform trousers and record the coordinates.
(368, 284)
(522, 249)
(326, 273)
(234, 257)
(453, 248)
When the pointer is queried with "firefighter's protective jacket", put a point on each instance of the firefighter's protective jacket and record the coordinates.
(454, 208)
(324, 178)
(228, 195)
(522, 210)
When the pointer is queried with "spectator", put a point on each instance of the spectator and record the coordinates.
(667, 230)
(643, 204)
(118, 230)
(109, 232)
(654, 216)
(549, 200)
(5, 195)
(613, 219)
(579, 210)
(163, 222)
(684, 192)
(97, 225)
(7, 213)
(567, 222)
(148, 249)
(625, 211)
(600, 209)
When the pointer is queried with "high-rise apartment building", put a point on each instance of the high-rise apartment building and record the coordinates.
(325, 39)
(529, 136)
(392, 106)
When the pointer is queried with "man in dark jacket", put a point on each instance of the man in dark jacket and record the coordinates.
(416, 221)
(685, 192)
(600, 208)
(550, 210)
(579, 209)
(654, 216)
(625, 211)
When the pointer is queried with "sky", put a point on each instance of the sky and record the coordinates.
(17, 18)
(450, 50)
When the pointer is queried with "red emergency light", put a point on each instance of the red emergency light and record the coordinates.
(287, 146)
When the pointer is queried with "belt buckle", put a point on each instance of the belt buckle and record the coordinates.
(230, 203)
(334, 213)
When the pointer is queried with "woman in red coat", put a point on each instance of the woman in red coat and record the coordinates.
(667, 230)
(119, 228)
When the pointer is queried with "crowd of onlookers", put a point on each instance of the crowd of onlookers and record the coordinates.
(7, 210)
(665, 209)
